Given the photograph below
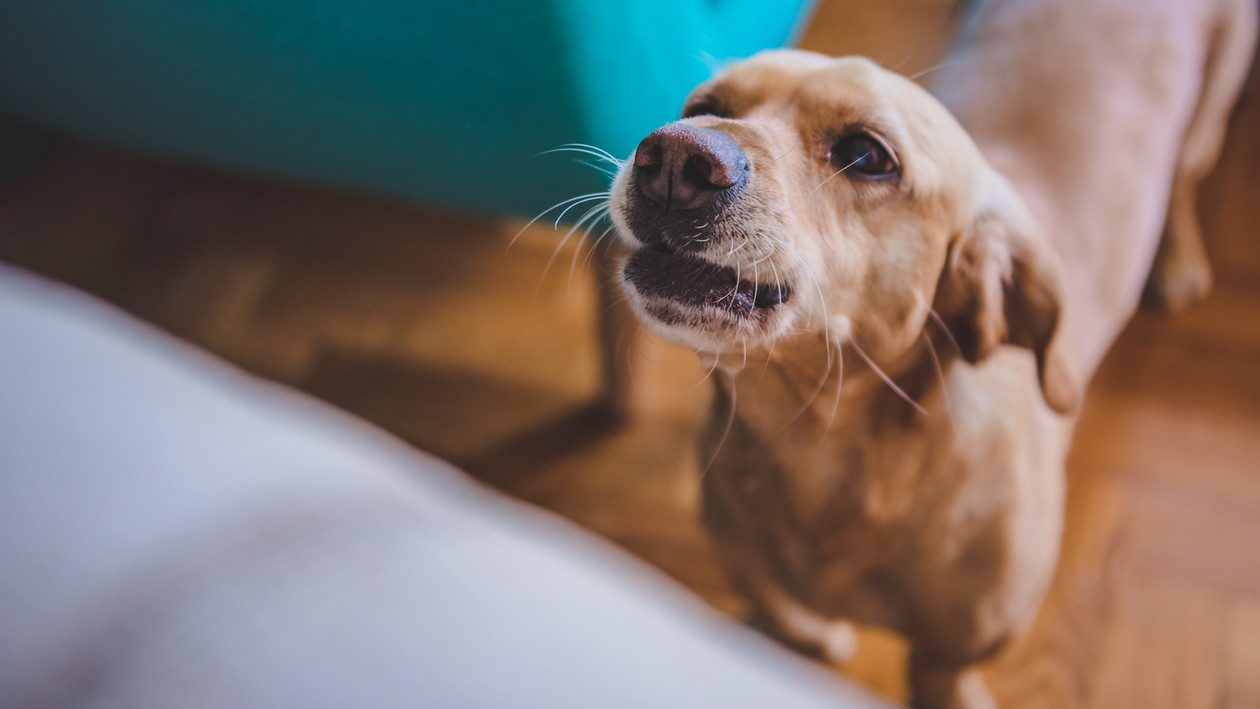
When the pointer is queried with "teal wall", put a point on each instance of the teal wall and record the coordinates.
(442, 102)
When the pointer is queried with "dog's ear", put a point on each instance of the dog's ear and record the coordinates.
(1002, 284)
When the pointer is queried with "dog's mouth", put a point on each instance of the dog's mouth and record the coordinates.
(659, 272)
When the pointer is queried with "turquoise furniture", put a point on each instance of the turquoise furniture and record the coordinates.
(447, 102)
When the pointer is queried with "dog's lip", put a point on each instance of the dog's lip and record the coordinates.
(691, 280)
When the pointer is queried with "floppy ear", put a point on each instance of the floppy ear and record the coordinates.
(1003, 285)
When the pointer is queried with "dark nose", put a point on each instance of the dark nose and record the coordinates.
(681, 166)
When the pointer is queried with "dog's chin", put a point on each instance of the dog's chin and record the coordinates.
(703, 305)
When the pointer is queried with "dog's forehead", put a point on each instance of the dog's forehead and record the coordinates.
(807, 79)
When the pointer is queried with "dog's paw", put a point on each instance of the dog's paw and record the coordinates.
(839, 642)
(964, 691)
(832, 641)
(973, 693)
(1179, 278)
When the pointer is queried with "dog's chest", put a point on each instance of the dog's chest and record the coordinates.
(809, 507)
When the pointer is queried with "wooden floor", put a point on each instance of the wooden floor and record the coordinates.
(428, 325)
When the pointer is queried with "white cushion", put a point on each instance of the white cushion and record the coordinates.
(175, 533)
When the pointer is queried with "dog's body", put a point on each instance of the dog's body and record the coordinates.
(831, 498)
(1105, 116)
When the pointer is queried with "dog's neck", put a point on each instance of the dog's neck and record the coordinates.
(821, 388)
(810, 418)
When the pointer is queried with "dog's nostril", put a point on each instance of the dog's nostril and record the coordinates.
(698, 172)
(648, 155)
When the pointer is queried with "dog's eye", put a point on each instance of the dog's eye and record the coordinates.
(703, 107)
(862, 154)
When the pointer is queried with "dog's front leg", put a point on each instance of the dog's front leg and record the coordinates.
(938, 683)
(778, 614)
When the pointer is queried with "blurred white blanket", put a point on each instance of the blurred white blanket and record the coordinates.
(177, 534)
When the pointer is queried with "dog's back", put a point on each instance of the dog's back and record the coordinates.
(1105, 116)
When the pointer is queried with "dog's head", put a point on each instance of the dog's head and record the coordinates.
(801, 194)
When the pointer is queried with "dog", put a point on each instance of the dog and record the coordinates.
(902, 295)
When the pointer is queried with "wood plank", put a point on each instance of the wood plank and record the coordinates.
(1242, 664)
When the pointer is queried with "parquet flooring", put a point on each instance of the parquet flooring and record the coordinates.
(430, 326)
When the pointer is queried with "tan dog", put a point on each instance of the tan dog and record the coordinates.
(829, 237)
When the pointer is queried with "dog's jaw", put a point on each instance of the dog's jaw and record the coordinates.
(741, 317)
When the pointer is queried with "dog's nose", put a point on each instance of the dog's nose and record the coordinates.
(681, 166)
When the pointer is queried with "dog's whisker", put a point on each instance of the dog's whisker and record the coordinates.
(940, 373)
(836, 174)
(902, 63)
(612, 158)
(835, 401)
(785, 152)
(592, 214)
(822, 381)
(571, 206)
(888, 380)
(557, 205)
(602, 212)
(807, 399)
(590, 254)
(588, 221)
(769, 357)
(598, 168)
(708, 375)
(822, 302)
(730, 423)
(698, 353)
(763, 258)
(710, 62)
(944, 328)
(585, 146)
(929, 70)
(616, 300)
(591, 150)
(556, 252)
